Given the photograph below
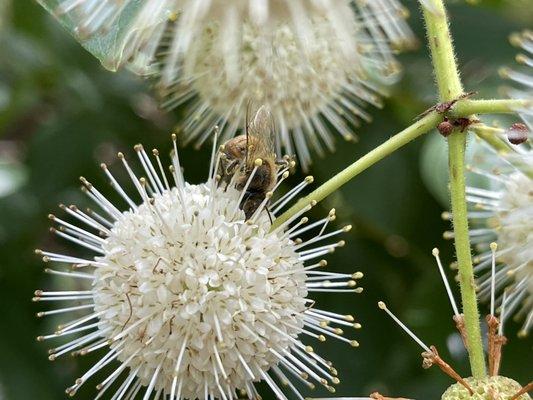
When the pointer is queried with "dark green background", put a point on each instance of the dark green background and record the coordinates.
(61, 114)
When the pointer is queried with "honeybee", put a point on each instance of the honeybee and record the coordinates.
(242, 154)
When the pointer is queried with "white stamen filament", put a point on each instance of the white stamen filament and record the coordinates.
(435, 253)
(493, 247)
(404, 327)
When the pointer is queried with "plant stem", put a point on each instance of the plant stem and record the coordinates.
(450, 88)
(491, 136)
(442, 53)
(456, 144)
(423, 125)
(501, 106)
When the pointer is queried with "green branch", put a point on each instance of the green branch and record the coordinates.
(450, 88)
(442, 53)
(494, 138)
(423, 125)
(501, 106)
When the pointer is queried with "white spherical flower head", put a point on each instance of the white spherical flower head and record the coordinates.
(316, 72)
(207, 281)
(309, 94)
(139, 28)
(315, 63)
(192, 297)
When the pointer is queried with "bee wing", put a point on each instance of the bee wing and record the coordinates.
(261, 131)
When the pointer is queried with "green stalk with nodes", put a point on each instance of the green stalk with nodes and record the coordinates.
(450, 88)
(422, 126)
(496, 106)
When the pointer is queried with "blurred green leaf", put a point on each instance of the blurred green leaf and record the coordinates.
(108, 45)
(12, 177)
(434, 168)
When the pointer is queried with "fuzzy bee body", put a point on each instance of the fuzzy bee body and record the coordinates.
(244, 154)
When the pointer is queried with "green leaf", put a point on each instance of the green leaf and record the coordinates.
(107, 45)
(434, 167)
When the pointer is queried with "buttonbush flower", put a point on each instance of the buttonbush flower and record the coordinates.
(316, 64)
(189, 298)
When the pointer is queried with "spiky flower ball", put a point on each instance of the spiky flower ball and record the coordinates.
(140, 28)
(316, 64)
(190, 297)
(490, 388)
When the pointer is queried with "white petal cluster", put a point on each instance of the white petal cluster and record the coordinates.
(191, 298)
(430, 6)
(308, 95)
(316, 64)
(140, 28)
(209, 280)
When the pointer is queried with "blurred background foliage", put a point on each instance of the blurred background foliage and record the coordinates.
(61, 114)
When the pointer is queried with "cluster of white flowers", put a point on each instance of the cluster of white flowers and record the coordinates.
(191, 298)
(315, 63)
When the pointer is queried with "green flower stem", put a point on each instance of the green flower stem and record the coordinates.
(423, 125)
(457, 143)
(491, 136)
(450, 88)
(500, 106)
(442, 53)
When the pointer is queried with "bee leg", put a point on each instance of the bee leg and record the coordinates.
(251, 202)
(269, 215)
(230, 168)
(226, 172)
(282, 162)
